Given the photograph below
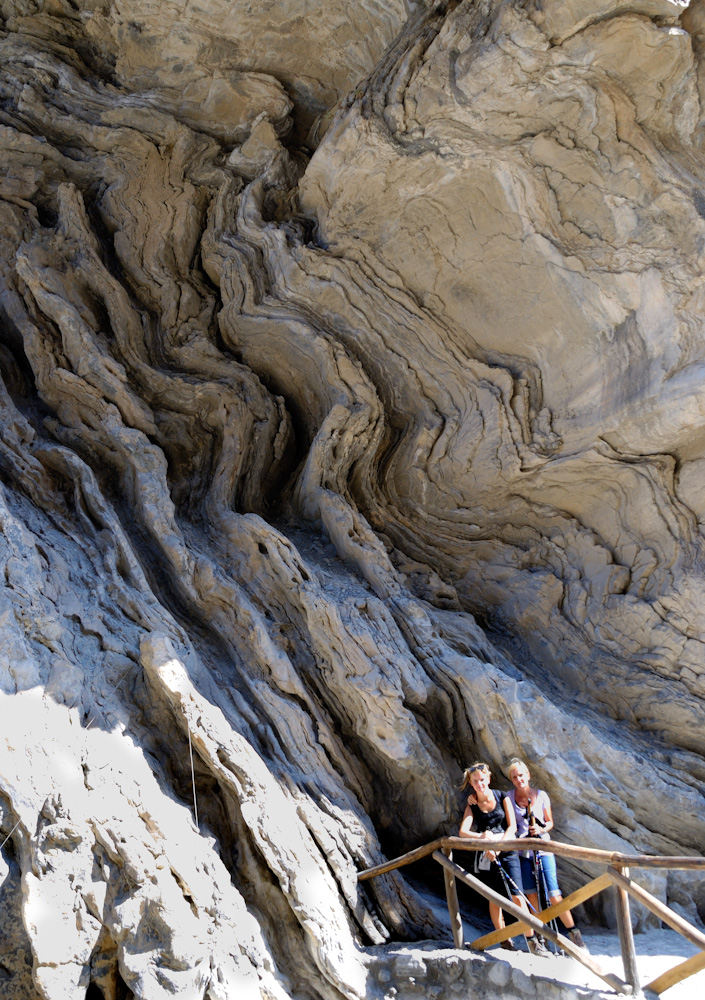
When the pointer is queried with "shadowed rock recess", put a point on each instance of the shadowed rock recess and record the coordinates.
(352, 428)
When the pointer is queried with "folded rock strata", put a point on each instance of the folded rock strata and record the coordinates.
(351, 429)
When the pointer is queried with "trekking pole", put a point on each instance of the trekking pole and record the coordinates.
(509, 881)
(553, 923)
(540, 883)
(506, 880)
(539, 877)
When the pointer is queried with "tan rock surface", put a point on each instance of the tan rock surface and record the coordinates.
(276, 423)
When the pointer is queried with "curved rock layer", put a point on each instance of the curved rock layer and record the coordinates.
(326, 332)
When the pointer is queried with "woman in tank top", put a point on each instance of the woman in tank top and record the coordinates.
(489, 816)
(521, 796)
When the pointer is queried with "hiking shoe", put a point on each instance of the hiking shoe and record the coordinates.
(508, 945)
(537, 947)
(576, 937)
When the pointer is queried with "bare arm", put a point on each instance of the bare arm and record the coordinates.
(511, 831)
(547, 815)
(466, 826)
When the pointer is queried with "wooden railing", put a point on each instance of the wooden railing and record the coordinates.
(616, 876)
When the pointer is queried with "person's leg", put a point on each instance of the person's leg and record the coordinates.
(521, 901)
(567, 917)
(548, 863)
(534, 942)
(512, 863)
(508, 871)
(493, 880)
(496, 916)
(528, 883)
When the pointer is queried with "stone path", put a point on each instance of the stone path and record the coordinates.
(657, 951)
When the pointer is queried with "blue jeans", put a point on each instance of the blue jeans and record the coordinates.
(548, 863)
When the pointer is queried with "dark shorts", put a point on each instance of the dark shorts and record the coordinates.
(501, 880)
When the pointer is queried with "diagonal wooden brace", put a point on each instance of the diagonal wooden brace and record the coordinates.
(587, 960)
(579, 896)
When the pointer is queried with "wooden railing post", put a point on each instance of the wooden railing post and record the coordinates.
(626, 936)
(456, 921)
(527, 919)
(617, 872)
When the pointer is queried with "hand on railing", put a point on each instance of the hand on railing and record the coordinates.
(491, 855)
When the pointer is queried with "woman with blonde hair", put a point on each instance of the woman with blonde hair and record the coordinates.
(533, 817)
(489, 816)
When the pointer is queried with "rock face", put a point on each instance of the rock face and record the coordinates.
(351, 428)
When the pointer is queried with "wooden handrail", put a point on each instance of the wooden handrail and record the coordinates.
(548, 847)
(663, 912)
(617, 874)
(537, 925)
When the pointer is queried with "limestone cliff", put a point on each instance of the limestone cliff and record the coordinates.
(351, 428)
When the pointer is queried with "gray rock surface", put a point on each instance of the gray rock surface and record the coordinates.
(351, 428)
